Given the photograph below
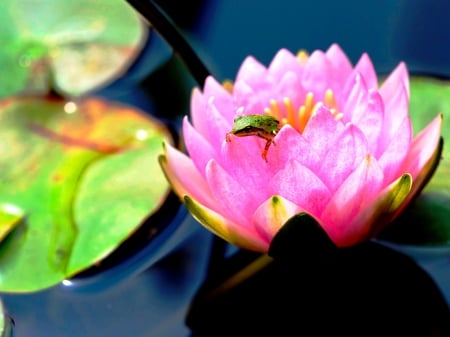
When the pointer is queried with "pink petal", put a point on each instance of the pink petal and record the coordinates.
(365, 109)
(200, 102)
(359, 188)
(200, 150)
(396, 111)
(321, 130)
(394, 155)
(301, 186)
(289, 86)
(284, 62)
(223, 100)
(272, 214)
(248, 101)
(344, 155)
(242, 159)
(251, 71)
(317, 74)
(398, 78)
(243, 237)
(184, 177)
(236, 201)
(341, 65)
(367, 71)
(371, 122)
(423, 157)
(379, 212)
(395, 93)
(423, 146)
(291, 145)
(356, 103)
(218, 125)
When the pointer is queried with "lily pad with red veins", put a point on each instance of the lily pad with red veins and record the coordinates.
(426, 221)
(81, 177)
(72, 47)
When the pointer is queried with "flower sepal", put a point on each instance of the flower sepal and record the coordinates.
(303, 236)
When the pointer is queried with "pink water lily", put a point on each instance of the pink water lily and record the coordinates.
(344, 153)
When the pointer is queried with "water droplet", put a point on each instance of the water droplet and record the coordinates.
(70, 107)
(141, 134)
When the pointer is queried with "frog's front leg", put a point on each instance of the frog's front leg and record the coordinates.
(269, 141)
(228, 136)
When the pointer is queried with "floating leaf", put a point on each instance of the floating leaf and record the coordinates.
(85, 174)
(73, 46)
(426, 221)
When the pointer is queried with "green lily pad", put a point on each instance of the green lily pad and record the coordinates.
(426, 221)
(71, 47)
(85, 175)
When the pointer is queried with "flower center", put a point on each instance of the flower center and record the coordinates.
(286, 113)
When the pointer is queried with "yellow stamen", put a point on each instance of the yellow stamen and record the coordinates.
(275, 109)
(267, 111)
(228, 86)
(338, 116)
(302, 56)
(290, 113)
(330, 100)
(314, 109)
(309, 101)
(286, 113)
(305, 111)
(302, 118)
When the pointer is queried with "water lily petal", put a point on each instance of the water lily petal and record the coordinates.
(423, 157)
(284, 62)
(235, 200)
(397, 78)
(223, 100)
(341, 65)
(197, 146)
(198, 106)
(366, 110)
(321, 130)
(218, 125)
(358, 189)
(247, 100)
(301, 186)
(371, 122)
(382, 210)
(291, 145)
(423, 147)
(273, 214)
(226, 229)
(394, 155)
(357, 98)
(242, 159)
(343, 156)
(365, 67)
(184, 177)
(212, 91)
(289, 86)
(251, 72)
(395, 93)
(317, 74)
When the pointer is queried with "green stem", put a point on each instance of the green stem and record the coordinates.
(163, 25)
(241, 276)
